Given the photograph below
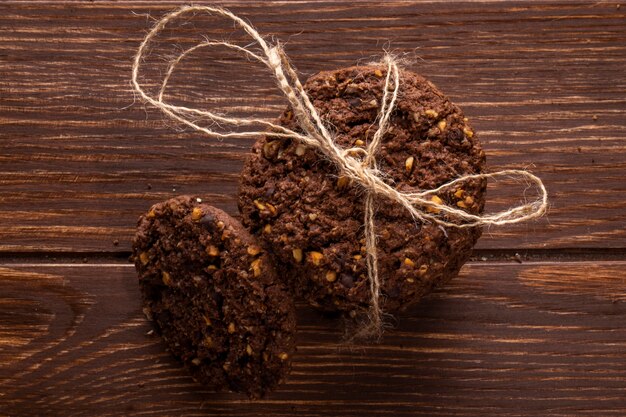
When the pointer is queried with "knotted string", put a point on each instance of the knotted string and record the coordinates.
(356, 164)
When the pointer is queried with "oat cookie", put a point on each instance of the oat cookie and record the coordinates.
(214, 296)
(311, 218)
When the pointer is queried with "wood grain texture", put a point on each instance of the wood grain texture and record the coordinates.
(537, 339)
(80, 159)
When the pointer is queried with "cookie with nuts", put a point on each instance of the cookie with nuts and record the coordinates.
(214, 296)
(311, 217)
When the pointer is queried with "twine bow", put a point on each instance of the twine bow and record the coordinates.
(357, 164)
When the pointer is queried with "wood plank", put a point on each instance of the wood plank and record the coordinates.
(535, 339)
(80, 158)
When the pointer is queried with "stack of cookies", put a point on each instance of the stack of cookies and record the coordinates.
(221, 293)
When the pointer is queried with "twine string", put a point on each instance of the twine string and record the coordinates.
(357, 164)
(374, 326)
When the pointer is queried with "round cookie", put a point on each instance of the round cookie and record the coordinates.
(214, 296)
(296, 202)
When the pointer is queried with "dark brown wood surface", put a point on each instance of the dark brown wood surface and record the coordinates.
(503, 339)
(80, 157)
(544, 84)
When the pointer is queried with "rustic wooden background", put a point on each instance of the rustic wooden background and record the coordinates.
(544, 84)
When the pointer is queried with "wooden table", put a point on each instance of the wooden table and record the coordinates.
(534, 325)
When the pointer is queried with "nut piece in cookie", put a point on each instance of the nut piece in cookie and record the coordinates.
(214, 296)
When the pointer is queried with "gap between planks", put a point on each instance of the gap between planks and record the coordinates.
(490, 256)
